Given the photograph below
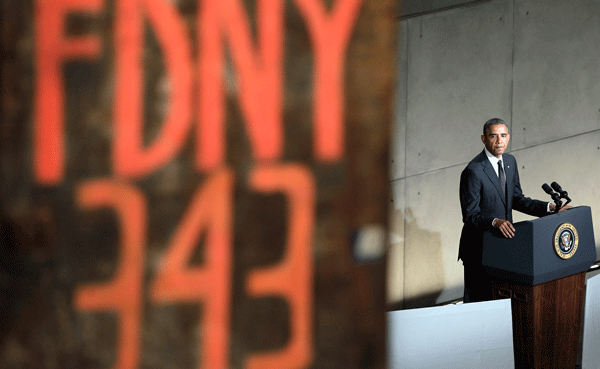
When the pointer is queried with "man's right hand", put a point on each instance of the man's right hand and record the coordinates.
(505, 227)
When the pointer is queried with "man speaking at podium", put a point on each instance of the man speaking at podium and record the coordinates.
(489, 191)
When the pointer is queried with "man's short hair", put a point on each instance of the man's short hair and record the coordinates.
(492, 122)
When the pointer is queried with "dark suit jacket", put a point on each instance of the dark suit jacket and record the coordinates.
(481, 201)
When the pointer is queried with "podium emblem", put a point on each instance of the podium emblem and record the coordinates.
(566, 240)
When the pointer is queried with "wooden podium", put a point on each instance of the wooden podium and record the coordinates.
(542, 269)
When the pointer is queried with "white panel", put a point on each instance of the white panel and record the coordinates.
(556, 70)
(398, 145)
(396, 253)
(476, 335)
(574, 163)
(432, 231)
(591, 328)
(459, 76)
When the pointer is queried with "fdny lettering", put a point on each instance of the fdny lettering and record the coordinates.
(259, 66)
(259, 69)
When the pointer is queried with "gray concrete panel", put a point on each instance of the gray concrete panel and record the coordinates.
(432, 231)
(556, 70)
(458, 76)
(395, 283)
(398, 145)
(411, 7)
(574, 163)
(408, 7)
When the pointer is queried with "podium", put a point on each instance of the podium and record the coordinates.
(542, 270)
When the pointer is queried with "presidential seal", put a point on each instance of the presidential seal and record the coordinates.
(566, 240)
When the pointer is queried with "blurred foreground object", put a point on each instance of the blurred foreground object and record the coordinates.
(213, 178)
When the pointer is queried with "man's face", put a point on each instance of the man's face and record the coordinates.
(496, 139)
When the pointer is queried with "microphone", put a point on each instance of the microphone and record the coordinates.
(563, 194)
(554, 195)
(556, 187)
(549, 191)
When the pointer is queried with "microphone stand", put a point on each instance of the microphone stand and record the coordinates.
(558, 204)
(563, 194)
(555, 196)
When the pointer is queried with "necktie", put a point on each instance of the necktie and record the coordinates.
(502, 177)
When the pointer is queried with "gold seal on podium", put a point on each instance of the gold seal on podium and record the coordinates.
(566, 240)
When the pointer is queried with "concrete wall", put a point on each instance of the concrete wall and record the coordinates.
(533, 63)
(412, 7)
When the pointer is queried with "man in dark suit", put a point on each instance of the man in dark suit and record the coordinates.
(489, 191)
